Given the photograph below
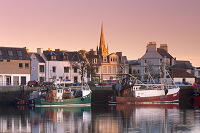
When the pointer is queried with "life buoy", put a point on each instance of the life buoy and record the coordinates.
(82, 99)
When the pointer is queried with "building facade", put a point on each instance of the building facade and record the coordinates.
(14, 66)
(49, 65)
(106, 67)
(153, 62)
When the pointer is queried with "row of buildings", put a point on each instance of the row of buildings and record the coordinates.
(18, 65)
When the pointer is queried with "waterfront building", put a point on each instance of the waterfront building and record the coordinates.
(37, 65)
(49, 65)
(153, 62)
(182, 76)
(14, 66)
(105, 66)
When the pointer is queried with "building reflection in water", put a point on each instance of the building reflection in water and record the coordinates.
(152, 118)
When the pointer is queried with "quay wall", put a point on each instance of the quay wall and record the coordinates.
(99, 94)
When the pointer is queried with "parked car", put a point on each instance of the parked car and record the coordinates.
(178, 83)
(104, 84)
(187, 83)
(48, 83)
(32, 83)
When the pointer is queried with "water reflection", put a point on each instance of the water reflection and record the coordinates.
(150, 118)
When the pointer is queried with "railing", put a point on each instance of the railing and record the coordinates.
(14, 83)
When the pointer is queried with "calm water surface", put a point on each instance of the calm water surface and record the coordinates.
(169, 118)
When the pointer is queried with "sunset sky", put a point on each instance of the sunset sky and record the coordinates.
(128, 25)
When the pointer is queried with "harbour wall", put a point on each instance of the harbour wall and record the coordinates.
(99, 94)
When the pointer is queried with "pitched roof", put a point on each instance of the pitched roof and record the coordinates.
(183, 65)
(133, 62)
(151, 55)
(40, 59)
(14, 53)
(181, 73)
(164, 53)
(72, 56)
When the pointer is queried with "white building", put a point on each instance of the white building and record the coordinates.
(37, 66)
(49, 65)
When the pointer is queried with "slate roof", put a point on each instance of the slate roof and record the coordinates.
(181, 73)
(133, 62)
(15, 53)
(152, 55)
(164, 53)
(40, 59)
(72, 56)
(183, 65)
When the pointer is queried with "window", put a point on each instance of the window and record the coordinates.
(53, 57)
(26, 65)
(0, 52)
(145, 70)
(1, 60)
(65, 57)
(75, 79)
(104, 69)
(20, 65)
(198, 73)
(19, 53)
(95, 61)
(66, 69)
(75, 70)
(10, 53)
(54, 69)
(109, 69)
(104, 59)
(41, 79)
(8, 60)
(114, 69)
(97, 70)
(145, 61)
(41, 67)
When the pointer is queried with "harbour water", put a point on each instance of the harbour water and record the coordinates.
(149, 118)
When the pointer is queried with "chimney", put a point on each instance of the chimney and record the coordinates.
(151, 47)
(40, 51)
(58, 49)
(164, 46)
(27, 50)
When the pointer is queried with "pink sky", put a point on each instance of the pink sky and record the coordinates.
(128, 24)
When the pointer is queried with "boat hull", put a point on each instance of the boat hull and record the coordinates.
(170, 98)
(80, 101)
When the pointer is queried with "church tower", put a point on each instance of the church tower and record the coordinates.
(103, 51)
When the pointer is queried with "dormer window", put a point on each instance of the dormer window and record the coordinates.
(53, 57)
(19, 53)
(94, 61)
(10, 53)
(65, 57)
(104, 59)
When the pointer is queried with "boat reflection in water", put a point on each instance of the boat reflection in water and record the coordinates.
(151, 118)
(120, 118)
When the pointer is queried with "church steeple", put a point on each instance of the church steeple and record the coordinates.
(102, 45)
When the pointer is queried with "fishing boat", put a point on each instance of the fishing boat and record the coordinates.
(64, 96)
(23, 97)
(133, 91)
(196, 94)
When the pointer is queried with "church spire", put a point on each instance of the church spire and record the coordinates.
(102, 45)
